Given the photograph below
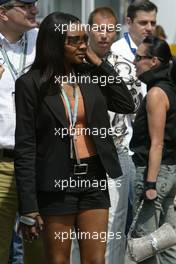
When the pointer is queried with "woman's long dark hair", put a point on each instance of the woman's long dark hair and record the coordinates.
(50, 55)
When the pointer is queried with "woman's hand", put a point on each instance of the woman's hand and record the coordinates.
(31, 232)
(150, 194)
(92, 57)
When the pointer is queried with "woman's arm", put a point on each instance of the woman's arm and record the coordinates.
(25, 144)
(157, 107)
(25, 158)
(118, 97)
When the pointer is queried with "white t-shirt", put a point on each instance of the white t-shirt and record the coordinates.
(122, 60)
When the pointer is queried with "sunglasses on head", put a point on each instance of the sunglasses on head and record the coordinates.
(141, 57)
(76, 41)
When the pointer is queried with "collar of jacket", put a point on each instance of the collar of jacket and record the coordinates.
(155, 75)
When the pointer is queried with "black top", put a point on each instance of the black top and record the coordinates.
(140, 142)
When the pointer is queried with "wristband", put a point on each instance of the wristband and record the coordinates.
(150, 185)
(27, 220)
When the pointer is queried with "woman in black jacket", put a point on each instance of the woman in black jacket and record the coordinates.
(63, 146)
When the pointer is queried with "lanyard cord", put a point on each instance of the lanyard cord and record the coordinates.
(16, 72)
(126, 36)
(72, 114)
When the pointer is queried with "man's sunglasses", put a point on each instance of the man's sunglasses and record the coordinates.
(76, 41)
(23, 6)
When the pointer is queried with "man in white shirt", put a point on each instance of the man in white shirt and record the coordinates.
(141, 21)
(17, 51)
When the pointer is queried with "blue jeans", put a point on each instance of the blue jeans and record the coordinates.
(163, 207)
(115, 252)
(16, 249)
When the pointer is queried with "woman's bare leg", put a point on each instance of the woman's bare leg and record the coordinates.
(92, 235)
(57, 239)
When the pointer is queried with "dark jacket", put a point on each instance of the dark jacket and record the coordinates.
(42, 155)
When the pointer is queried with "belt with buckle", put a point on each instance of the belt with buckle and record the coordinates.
(7, 153)
(85, 166)
(80, 169)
